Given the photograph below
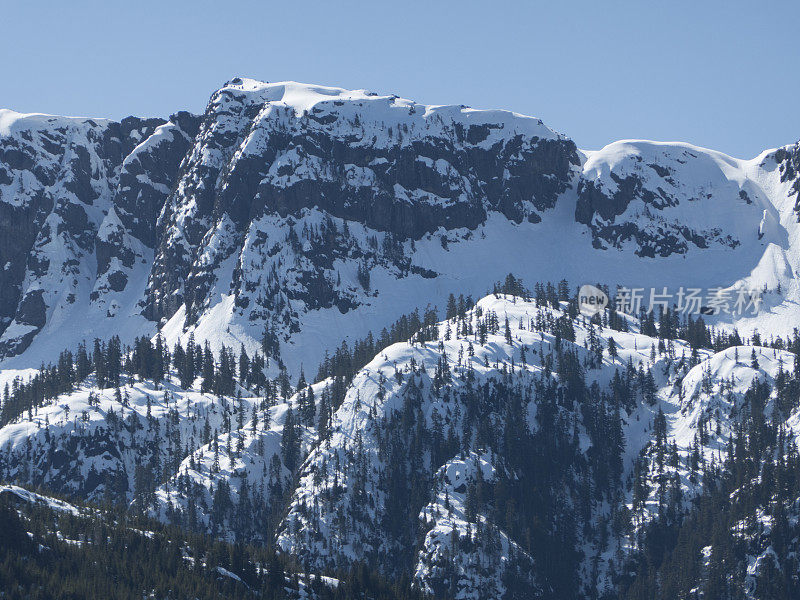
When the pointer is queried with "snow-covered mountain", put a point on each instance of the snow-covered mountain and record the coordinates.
(325, 213)
(515, 449)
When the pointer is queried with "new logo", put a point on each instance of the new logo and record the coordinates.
(591, 300)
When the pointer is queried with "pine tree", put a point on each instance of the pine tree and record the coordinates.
(612, 348)
(208, 384)
(290, 442)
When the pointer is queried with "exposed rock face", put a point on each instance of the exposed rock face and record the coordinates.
(63, 183)
(57, 177)
(148, 174)
(393, 165)
(146, 177)
(789, 161)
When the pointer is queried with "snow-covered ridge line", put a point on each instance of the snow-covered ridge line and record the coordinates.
(34, 498)
(12, 121)
(304, 98)
(622, 147)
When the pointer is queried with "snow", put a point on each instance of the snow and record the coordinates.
(77, 298)
(11, 121)
(363, 410)
(479, 572)
(304, 98)
(732, 367)
(73, 417)
(740, 210)
(358, 419)
(554, 249)
(227, 573)
(603, 161)
(749, 244)
(34, 498)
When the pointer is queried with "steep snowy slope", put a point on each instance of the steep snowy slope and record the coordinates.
(704, 408)
(79, 200)
(235, 485)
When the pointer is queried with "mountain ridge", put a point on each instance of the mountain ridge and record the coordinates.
(447, 198)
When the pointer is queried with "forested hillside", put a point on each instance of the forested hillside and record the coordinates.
(517, 448)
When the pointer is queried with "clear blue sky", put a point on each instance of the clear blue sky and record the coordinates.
(720, 74)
